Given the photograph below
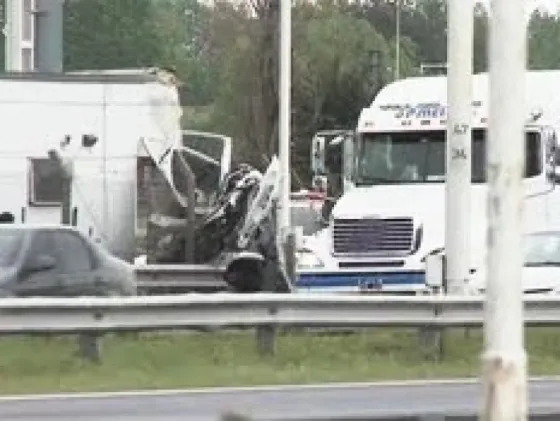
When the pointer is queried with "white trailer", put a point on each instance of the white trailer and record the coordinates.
(100, 121)
(392, 212)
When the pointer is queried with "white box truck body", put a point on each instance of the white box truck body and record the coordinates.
(100, 121)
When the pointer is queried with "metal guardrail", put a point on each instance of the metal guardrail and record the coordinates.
(89, 314)
(156, 278)
(552, 416)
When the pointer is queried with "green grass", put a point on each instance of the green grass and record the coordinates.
(33, 365)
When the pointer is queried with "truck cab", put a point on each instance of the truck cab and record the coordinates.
(391, 214)
(331, 164)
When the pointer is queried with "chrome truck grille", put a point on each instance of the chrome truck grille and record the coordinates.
(373, 236)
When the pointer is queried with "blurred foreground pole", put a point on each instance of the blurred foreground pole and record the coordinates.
(33, 35)
(458, 175)
(285, 102)
(284, 117)
(20, 37)
(504, 359)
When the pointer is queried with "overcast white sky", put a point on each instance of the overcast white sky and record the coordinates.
(551, 5)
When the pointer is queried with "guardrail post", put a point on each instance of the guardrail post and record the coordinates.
(432, 338)
(89, 346)
(266, 335)
(230, 416)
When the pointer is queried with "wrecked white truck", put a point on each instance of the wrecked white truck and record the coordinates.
(104, 151)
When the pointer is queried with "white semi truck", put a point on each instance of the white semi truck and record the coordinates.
(391, 214)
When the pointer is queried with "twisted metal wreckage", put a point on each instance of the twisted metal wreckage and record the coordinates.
(235, 229)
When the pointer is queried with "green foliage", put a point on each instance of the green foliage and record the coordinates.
(339, 63)
(180, 26)
(2, 38)
(544, 36)
(108, 34)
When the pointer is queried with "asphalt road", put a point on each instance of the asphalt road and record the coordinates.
(283, 403)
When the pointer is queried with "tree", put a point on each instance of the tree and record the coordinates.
(544, 36)
(246, 102)
(108, 34)
(424, 29)
(182, 26)
(333, 75)
(2, 38)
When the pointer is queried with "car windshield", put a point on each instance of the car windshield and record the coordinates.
(542, 250)
(419, 157)
(10, 245)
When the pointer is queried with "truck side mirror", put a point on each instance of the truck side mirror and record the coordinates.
(348, 156)
(552, 156)
(318, 155)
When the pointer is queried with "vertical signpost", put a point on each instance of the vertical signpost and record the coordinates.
(458, 178)
(504, 359)
(284, 116)
(284, 220)
(398, 40)
(33, 33)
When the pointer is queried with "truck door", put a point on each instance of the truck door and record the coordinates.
(209, 156)
(330, 150)
(539, 204)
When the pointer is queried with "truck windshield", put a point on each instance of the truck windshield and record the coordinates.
(10, 246)
(419, 157)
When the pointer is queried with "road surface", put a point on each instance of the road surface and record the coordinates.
(282, 403)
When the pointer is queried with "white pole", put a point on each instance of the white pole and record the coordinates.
(284, 118)
(19, 34)
(398, 41)
(504, 359)
(458, 178)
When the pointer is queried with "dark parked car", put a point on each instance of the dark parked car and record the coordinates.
(59, 261)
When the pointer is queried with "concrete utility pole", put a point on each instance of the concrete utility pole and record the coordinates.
(504, 359)
(284, 117)
(19, 31)
(458, 180)
(33, 32)
(398, 40)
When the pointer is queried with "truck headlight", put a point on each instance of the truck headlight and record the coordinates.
(308, 260)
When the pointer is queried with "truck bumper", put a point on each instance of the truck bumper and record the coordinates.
(361, 282)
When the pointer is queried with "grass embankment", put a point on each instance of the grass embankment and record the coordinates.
(35, 365)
